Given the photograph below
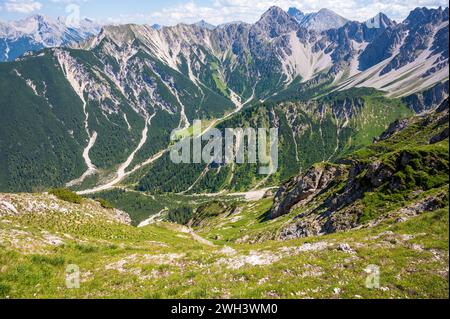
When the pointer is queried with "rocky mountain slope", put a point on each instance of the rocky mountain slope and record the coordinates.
(404, 174)
(37, 32)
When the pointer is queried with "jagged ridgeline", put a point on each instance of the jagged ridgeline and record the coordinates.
(97, 112)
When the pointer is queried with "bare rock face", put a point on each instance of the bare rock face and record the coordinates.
(42, 204)
(440, 137)
(303, 188)
(429, 98)
(394, 128)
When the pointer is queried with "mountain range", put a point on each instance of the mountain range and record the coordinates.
(37, 32)
(129, 86)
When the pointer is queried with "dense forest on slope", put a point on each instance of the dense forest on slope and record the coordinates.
(41, 123)
(309, 132)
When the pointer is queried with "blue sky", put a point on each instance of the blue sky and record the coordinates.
(169, 12)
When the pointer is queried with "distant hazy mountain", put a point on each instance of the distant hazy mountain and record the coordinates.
(296, 14)
(37, 32)
(204, 24)
(323, 20)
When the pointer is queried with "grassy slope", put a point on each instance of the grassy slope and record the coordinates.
(159, 261)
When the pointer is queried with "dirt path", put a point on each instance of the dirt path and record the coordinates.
(201, 240)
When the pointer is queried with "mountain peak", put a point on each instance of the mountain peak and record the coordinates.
(379, 21)
(322, 20)
(296, 14)
(205, 25)
(327, 13)
(39, 18)
(274, 10)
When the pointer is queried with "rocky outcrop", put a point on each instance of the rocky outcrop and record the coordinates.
(341, 211)
(394, 128)
(87, 212)
(428, 99)
(301, 189)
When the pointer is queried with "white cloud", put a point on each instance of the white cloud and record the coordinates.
(68, 1)
(22, 6)
(221, 11)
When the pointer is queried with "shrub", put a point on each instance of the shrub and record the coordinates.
(4, 290)
(66, 195)
(86, 249)
(180, 215)
(105, 204)
(54, 261)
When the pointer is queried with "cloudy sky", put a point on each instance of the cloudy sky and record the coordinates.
(169, 12)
